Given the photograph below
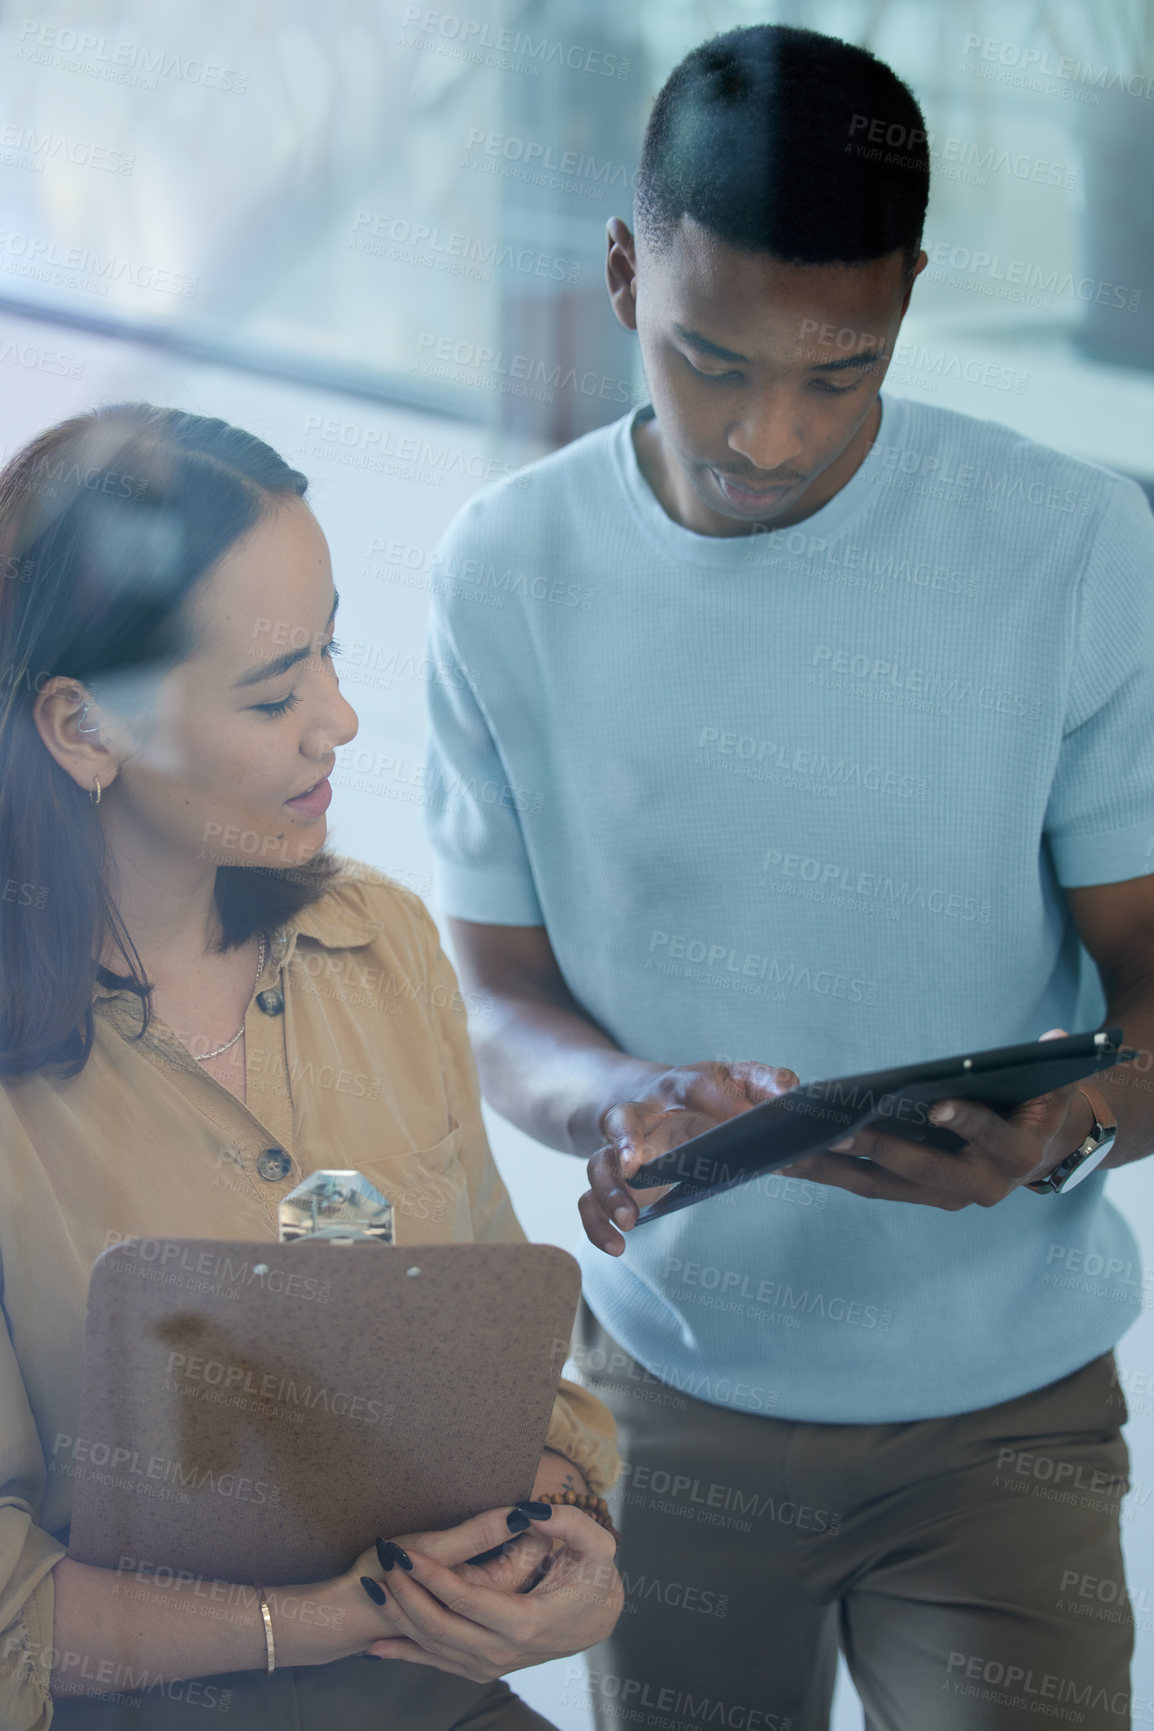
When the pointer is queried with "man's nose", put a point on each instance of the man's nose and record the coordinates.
(767, 435)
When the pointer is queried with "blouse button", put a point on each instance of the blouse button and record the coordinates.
(272, 1001)
(274, 1164)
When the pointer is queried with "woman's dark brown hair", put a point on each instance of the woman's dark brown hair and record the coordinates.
(107, 524)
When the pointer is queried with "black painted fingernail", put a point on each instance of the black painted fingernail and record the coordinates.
(400, 1556)
(535, 1511)
(374, 1589)
(516, 1521)
(383, 1557)
(487, 1556)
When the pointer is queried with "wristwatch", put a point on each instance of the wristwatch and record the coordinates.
(1087, 1155)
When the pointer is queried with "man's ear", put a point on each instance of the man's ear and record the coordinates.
(621, 272)
(920, 264)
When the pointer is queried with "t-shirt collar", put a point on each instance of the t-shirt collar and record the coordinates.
(730, 552)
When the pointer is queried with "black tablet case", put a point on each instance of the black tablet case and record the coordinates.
(810, 1117)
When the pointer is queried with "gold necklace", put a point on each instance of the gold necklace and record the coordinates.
(205, 1056)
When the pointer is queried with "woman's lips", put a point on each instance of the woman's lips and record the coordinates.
(314, 801)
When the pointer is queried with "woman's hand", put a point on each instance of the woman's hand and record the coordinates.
(517, 1564)
(433, 1615)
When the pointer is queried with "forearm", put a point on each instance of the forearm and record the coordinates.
(111, 1625)
(551, 1071)
(1129, 1089)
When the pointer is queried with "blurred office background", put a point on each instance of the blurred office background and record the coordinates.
(372, 232)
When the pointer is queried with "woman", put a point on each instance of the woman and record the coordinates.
(197, 1006)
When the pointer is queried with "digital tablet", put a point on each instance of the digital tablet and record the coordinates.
(811, 1116)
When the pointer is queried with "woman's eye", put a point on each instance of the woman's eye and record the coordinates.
(281, 708)
(331, 648)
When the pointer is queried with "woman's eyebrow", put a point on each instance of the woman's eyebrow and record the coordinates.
(281, 663)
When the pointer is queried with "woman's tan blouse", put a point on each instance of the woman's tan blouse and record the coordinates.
(356, 1056)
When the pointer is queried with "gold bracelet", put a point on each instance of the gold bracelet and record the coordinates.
(269, 1638)
(596, 1507)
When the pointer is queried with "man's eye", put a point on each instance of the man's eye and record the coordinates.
(281, 708)
(835, 390)
(715, 378)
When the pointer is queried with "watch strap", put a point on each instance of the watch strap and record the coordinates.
(1104, 1128)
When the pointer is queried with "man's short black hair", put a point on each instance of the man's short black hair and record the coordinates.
(790, 142)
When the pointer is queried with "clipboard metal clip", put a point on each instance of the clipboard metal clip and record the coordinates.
(341, 1206)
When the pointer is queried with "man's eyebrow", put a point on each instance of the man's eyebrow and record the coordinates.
(697, 341)
(281, 663)
(867, 358)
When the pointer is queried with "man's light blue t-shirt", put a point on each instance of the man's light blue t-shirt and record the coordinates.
(810, 797)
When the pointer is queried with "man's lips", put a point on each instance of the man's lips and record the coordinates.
(743, 494)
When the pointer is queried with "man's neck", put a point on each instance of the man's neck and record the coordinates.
(677, 497)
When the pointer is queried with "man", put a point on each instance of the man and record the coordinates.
(828, 746)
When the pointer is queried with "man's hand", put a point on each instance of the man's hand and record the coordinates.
(1001, 1154)
(678, 1104)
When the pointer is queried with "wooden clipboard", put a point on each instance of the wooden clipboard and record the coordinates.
(263, 1411)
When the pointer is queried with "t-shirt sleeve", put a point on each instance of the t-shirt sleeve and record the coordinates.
(472, 810)
(1100, 814)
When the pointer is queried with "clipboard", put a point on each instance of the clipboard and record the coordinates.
(809, 1117)
(263, 1411)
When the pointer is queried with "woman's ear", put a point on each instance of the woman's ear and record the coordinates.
(73, 730)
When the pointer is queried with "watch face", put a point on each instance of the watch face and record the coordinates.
(1088, 1163)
